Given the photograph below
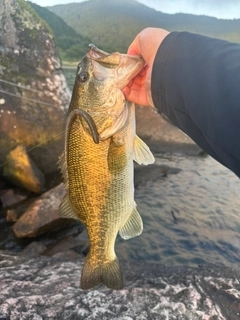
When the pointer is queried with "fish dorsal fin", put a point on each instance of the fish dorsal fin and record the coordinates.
(142, 153)
(65, 209)
(133, 227)
(118, 124)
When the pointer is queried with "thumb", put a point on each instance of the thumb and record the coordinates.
(134, 47)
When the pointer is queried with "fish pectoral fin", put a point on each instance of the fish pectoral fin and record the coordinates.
(65, 209)
(63, 167)
(133, 227)
(142, 153)
(108, 274)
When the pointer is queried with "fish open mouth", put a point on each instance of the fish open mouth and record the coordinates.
(105, 59)
(120, 67)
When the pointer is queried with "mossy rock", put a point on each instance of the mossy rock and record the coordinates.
(34, 91)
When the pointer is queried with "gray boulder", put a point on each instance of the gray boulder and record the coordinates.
(48, 288)
(34, 95)
(160, 135)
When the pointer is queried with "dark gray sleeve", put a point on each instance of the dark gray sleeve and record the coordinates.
(196, 84)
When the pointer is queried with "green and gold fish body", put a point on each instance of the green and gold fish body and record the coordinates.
(99, 176)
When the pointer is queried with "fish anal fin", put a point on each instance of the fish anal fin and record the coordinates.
(65, 209)
(108, 273)
(133, 226)
(142, 153)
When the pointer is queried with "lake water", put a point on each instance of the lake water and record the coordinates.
(189, 218)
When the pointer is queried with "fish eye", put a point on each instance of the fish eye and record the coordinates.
(83, 76)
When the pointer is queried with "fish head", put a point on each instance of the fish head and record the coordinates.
(97, 89)
(120, 68)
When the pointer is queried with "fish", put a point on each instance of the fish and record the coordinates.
(97, 162)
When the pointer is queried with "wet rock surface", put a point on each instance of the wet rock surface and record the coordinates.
(152, 173)
(48, 288)
(10, 197)
(20, 169)
(42, 215)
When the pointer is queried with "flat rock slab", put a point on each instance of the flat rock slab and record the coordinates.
(42, 215)
(48, 288)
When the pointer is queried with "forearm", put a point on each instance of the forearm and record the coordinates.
(196, 84)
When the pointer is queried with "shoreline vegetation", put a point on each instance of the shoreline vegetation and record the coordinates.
(70, 64)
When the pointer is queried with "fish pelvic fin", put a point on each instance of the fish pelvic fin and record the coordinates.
(108, 273)
(142, 153)
(63, 167)
(133, 226)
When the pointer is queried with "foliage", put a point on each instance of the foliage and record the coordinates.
(66, 38)
(112, 24)
(24, 7)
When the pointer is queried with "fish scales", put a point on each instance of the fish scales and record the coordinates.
(99, 185)
(99, 176)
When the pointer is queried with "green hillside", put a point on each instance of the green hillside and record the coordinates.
(112, 24)
(71, 45)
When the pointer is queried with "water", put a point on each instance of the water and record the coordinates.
(189, 218)
(70, 73)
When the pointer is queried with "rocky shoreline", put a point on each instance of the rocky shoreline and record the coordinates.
(41, 281)
(40, 287)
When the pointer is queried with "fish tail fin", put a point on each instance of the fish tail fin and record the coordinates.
(108, 274)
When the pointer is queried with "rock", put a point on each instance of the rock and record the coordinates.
(48, 288)
(35, 248)
(160, 135)
(34, 92)
(15, 212)
(42, 215)
(22, 171)
(143, 174)
(10, 197)
(3, 184)
(12, 215)
(77, 245)
(67, 254)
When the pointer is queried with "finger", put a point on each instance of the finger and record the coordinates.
(134, 47)
(140, 78)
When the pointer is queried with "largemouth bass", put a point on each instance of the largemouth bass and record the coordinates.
(97, 163)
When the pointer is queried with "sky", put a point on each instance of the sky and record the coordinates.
(222, 9)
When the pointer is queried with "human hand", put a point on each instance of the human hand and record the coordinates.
(146, 45)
